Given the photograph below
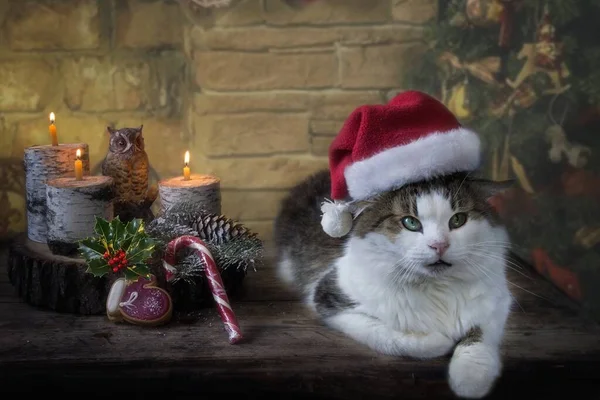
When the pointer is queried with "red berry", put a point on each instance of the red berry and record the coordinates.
(115, 269)
(111, 262)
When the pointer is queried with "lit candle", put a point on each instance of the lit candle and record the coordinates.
(78, 166)
(52, 129)
(186, 168)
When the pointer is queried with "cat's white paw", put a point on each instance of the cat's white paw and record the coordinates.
(434, 345)
(473, 370)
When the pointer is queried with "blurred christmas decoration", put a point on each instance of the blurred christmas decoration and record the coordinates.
(525, 74)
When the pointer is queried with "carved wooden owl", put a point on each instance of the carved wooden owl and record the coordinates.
(127, 163)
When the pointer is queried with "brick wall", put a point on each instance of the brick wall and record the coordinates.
(272, 85)
(256, 91)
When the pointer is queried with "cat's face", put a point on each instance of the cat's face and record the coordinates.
(125, 140)
(445, 226)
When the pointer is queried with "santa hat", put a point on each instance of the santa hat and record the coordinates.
(383, 147)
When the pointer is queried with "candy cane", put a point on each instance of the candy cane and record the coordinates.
(214, 280)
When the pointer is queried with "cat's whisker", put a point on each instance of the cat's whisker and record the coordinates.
(514, 284)
(480, 269)
(456, 193)
(492, 281)
(509, 264)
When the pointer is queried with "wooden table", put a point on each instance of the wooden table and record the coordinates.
(549, 350)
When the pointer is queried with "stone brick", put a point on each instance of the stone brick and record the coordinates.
(70, 129)
(377, 66)
(327, 12)
(247, 12)
(264, 229)
(52, 25)
(325, 128)
(104, 84)
(320, 145)
(25, 85)
(226, 103)
(251, 205)
(414, 11)
(144, 24)
(164, 141)
(338, 104)
(264, 71)
(263, 38)
(8, 131)
(252, 134)
(263, 173)
(13, 205)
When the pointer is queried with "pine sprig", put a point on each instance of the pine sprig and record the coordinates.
(232, 245)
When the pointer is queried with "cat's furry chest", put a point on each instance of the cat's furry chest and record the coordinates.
(448, 305)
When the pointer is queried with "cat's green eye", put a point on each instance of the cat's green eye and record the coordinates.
(411, 223)
(457, 220)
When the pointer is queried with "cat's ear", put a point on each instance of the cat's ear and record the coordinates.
(491, 188)
(139, 131)
(110, 130)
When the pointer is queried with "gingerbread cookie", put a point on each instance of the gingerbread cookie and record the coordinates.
(139, 302)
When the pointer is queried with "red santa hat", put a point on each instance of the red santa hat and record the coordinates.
(383, 147)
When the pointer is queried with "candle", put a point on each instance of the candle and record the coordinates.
(78, 166)
(186, 168)
(52, 129)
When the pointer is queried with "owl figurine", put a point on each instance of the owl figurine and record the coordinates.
(127, 163)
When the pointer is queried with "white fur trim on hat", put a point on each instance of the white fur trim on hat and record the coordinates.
(437, 154)
(337, 218)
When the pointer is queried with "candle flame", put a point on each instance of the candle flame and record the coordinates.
(52, 118)
(78, 154)
(186, 158)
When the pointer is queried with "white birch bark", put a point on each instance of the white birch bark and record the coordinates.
(72, 207)
(43, 163)
(200, 193)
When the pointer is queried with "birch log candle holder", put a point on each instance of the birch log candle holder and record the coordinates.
(72, 206)
(43, 163)
(200, 193)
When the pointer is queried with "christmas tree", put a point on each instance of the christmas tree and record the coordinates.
(525, 74)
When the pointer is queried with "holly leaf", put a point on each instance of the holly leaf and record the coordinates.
(102, 229)
(132, 272)
(98, 267)
(134, 226)
(117, 232)
(91, 249)
(142, 252)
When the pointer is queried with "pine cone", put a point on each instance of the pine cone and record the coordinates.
(213, 228)
(218, 229)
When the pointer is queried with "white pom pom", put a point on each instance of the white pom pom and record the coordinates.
(336, 220)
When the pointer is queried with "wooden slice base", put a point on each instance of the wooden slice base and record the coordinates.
(54, 282)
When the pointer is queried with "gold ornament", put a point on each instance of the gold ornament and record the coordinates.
(458, 102)
(484, 13)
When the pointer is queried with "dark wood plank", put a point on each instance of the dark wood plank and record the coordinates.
(287, 351)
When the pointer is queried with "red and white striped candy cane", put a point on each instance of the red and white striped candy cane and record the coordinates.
(214, 280)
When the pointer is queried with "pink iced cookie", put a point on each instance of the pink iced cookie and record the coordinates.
(139, 302)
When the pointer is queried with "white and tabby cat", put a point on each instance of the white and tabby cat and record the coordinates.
(421, 274)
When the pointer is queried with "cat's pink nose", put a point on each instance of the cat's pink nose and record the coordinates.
(439, 247)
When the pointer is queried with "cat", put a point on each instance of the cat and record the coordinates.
(421, 273)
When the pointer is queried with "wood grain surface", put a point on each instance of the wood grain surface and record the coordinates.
(550, 350)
